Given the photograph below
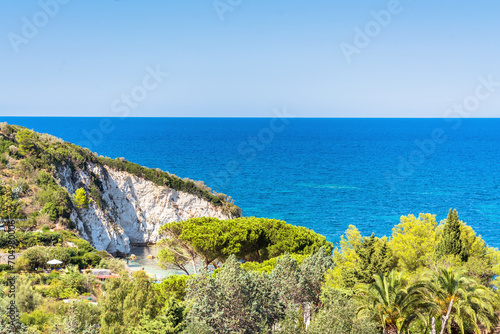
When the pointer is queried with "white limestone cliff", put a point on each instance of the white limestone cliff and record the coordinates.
(133, 208)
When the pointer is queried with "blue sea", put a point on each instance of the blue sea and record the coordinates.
(325, 174)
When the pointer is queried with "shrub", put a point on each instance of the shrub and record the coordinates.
(86, 313)
(4, 267)
(37, 257)
(37, 319)
(54, 274)
(46, 228)
(3, 159)
(172, 286)
(26, 140)
(67, 286)
(83, 245)
(55, 201)
(45, 180)
(78, 261)
(4, 144)
(26, 298)
(25, 225)
(96, 196)
(92, 259)
(31, 239)
(21, 264)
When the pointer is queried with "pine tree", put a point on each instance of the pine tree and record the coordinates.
(26, 140)
(451, 243)
(81, 198)
(373, 259)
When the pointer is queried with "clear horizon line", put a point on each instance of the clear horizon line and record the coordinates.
(242, 117)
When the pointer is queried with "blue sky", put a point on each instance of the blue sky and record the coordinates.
(253, 57)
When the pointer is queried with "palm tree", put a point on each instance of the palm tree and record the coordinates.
(471, 303)
(390, 302)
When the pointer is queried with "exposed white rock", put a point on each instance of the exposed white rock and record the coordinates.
(133, 208)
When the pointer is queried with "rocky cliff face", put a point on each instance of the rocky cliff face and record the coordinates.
(132, 209)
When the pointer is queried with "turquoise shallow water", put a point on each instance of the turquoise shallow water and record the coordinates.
(150, 265)
(320, 173)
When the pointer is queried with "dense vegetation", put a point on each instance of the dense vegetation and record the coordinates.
(416, 281)
(213, 241)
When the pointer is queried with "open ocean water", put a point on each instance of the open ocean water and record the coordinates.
(324, 174)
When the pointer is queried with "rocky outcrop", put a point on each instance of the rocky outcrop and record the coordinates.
(132, 209)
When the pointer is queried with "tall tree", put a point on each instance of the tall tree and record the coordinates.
(413, 241)
(127, 302)
(345, 260)
(212, 241)
(26, 298)
(26, 140)
(81, 199)
(338, 316)
(373, 259)
(373, 256)
(299, 286)
(231, 301)
(168, 321)
(451, 241)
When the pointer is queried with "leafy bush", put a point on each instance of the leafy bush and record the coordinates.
(26, 140)
(27, 299)
(172, 287)
(39, 255)
(4, 267)
(31, 239)
(92, 259)
(37, 319)
(55, 201)
(60, 291)
(4, 144)
(45, 180)
(269, 265)
(3, 159)
(96, 196)
(87, 314)
(78, 261)
(83, 245)
(338, 316)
